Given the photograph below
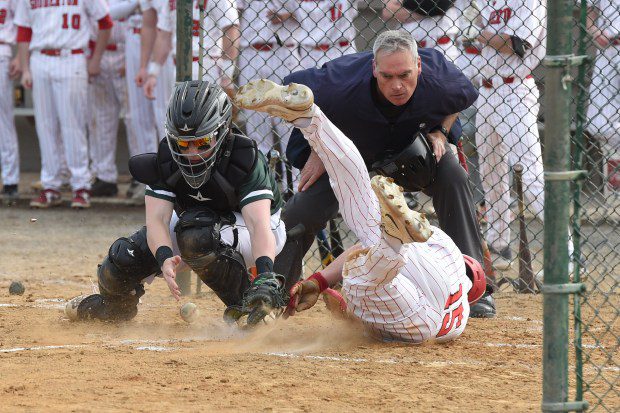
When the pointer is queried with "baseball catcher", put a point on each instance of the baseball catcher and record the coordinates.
(212, 204)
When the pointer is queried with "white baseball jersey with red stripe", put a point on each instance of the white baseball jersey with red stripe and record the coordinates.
(506, 123)
(406, 292)
(9, 153)
(327, 30)
(60, 34)
(525, 19)
(59, 24)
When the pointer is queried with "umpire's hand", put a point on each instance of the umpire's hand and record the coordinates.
(313, 169)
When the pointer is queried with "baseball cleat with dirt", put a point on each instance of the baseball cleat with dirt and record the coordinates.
(397, 220)
(288, 102)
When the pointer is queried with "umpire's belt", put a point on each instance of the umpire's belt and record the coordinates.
(60, 52)
(266, 47)
(326, 47)
(441, 40)
(488, 83)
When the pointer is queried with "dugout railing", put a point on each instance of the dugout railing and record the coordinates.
(578, 107)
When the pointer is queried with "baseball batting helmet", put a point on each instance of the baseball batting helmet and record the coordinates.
(414, 168)
(199, 113)
(476, 274)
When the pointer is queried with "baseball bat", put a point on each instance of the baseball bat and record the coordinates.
(324, 248)
(335, 239)
(526, 274)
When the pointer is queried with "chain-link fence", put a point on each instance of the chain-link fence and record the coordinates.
(500, 46)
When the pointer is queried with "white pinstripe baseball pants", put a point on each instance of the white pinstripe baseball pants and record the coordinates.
(59, 93)
(108, 99)
(9, 150)
(507, 134)
(147, 117)
(400, 295)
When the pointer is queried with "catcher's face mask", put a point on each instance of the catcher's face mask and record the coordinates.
(195, 155)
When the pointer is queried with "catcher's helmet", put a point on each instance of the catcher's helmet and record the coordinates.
(199, 113)
(476, 274)
(414, 168)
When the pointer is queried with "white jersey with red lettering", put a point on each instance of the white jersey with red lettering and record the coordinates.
(406, 292)
(60, 24)
(9, 152)
(108, 102)
(603, 113)
(327, 30)
(506, 122)
(525, 19)
(438, 32)
(60, 34)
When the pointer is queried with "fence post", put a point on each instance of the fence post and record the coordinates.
(556, 160)
(184, 40)
(184, 73)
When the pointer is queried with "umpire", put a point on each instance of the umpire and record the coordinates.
(382, 101)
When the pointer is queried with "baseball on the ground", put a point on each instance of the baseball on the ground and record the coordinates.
(189, 312)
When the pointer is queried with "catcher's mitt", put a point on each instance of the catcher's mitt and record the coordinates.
(266, 297)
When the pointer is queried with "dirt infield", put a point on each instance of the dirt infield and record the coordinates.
(158, 363)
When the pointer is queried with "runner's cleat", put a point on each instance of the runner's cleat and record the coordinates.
(289, 102)
(397, 220)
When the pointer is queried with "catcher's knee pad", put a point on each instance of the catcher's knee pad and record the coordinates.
(219, 266)
(198, 238)
(128, 262)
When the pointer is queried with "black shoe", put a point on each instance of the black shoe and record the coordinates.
(484, 308)
(103, 189)
(133, 187)
(9, 194)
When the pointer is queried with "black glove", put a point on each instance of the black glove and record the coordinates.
(265, 297)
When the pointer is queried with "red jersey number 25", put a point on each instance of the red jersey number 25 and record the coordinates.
(454, 318)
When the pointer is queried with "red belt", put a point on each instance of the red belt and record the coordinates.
(488, 83)
(441, 40)
(326, 47)
(136, 30)
(266, 47)
(194, 59)
(472, 50)
(58, 52)
(109, 47)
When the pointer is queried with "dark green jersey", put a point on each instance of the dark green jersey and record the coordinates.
(241, 180)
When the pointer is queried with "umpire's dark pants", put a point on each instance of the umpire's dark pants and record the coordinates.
(452, 199)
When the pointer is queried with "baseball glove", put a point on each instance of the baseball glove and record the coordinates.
(266, 298)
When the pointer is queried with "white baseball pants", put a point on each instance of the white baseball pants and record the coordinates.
(9, 151)
(59, 93)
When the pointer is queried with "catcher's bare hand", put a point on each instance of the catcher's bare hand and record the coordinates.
(312, 170)
(169, 271)
(304, 295)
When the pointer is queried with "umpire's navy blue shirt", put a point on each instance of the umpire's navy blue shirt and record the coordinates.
(342, 89)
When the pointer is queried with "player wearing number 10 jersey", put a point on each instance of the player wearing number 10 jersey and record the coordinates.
(52, 40)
